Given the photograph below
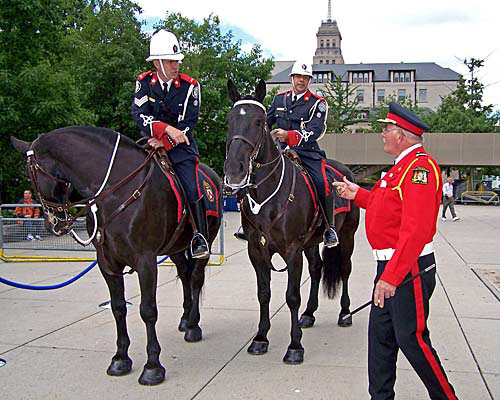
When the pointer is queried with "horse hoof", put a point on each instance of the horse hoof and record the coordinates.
(344, 323)
(258, 348)
(294, 356)
(119, 367)
(306, 321)
(183, 325)
(193, 335)
(152, 376)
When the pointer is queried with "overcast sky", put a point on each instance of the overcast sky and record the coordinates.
(440, 31)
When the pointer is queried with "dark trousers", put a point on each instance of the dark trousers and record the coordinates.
(315, 170)
(449, 202)
(187, 172)
(402, 325)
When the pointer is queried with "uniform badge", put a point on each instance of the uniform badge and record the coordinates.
(420, 175)
(196, 92)
(322, 106)
(137, 86)
(208, 192)
(318, 115)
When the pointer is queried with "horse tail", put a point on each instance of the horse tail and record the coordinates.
(332, 270)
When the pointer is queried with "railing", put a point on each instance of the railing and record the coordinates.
(483, 197)
(22, 237)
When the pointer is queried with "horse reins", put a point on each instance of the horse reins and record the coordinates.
(49, 207)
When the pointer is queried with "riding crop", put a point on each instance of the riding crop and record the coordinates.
(410, 279)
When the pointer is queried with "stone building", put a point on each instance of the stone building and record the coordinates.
(425, 83)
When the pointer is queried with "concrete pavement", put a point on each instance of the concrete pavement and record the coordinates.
(58, 344)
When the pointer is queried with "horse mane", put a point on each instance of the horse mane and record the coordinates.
(103, 136)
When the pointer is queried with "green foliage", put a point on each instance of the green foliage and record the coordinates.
(212, 58)
(342, 104)
(75, 62)
(380, 111)
(463, 109)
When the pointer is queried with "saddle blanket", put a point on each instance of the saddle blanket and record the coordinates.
(332, 175)
(206, 188)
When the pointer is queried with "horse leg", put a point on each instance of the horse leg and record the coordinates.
(153, 372)
(193, 331)
(262, 266)
(346, 250)
(314, 260)
(184, 270)
(295, 352)
(121, 364)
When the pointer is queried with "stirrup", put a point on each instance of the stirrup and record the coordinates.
(331, 241)
(202, 250)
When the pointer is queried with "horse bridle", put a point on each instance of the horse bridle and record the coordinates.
(50, 208)
(256, 148)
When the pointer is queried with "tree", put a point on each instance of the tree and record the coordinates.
(463, 109)
(380, 111)
(212, 58)
(342, 104)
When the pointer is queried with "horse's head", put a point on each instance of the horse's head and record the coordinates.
(50, 186)
(246, 133)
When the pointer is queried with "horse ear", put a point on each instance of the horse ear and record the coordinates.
(260, 91)
(20, 145)
(232, 91)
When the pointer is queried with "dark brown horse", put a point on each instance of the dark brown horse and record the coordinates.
(138, 219)
(279, 215)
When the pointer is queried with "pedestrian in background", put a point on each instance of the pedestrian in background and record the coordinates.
(449, 200)
(32, 226)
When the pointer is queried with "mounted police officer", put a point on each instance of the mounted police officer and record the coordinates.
(300, 116)
(166, 108)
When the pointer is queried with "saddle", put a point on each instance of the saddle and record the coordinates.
(206, 187)
(341, 205)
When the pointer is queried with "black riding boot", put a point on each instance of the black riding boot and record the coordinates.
(330, 238)
(199, 244)
(241, 235)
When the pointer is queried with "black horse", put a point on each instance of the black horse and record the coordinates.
(279, 215)
(138, 218)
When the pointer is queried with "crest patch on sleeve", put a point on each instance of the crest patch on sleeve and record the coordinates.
(420, 176)
(322, 106)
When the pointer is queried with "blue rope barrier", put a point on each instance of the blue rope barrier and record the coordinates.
(59, 285)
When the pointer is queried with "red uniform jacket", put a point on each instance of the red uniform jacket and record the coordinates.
(402, 210)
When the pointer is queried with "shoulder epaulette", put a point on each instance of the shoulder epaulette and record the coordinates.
(317, 96)
(143, 75)
(188, 79)
(420, 154)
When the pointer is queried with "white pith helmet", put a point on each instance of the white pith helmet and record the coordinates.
(164, 46)
(301, 68)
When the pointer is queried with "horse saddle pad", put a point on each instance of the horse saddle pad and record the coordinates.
(332, 175)
(206, 188)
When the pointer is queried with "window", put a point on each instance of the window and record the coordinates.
(328, 61)
(380, 95)
(360, 95)
(407, 77)
(401, 94)
(333, 43)
(327, 43)
(396, 76)
(333, 61)
(354, 77)
(322, 44)
(321, 61)
(422, 94)
(365, 77)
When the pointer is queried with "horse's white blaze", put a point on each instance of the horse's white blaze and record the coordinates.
(242, 112)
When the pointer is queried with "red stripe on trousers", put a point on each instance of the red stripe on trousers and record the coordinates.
(419, 304)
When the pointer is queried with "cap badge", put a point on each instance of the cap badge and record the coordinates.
(175, 48)
(304, 67)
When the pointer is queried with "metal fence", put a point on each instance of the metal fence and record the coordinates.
(23, 239)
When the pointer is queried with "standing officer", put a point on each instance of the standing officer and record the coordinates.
(401, 214)
(301, 119)
(166, 108)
